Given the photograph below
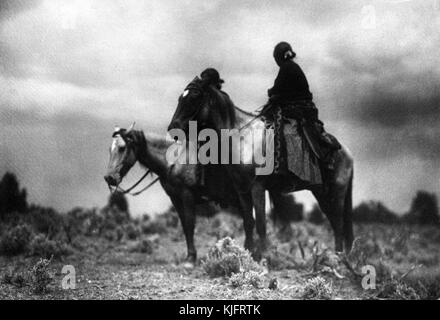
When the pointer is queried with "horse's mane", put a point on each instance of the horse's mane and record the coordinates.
(235, 113)
(226, 107)
(157, 140)
(149, 139)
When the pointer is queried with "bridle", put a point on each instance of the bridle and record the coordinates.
(128, 191)
(134, 194)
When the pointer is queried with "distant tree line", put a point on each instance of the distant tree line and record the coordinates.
(424, 207)
(424, 210)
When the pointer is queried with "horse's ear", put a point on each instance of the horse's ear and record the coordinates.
(131, 127)
(116, 131)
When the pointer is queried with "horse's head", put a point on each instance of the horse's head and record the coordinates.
(203, 102)
(122, 155)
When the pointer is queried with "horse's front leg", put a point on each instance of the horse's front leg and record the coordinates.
(185, 207)
(248, 220)
(259, 203)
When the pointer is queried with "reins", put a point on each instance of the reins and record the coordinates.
(128, 191)
(118, 188)
(258, 116)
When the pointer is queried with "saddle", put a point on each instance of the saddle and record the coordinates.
(321, 143)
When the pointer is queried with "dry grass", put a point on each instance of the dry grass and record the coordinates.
(299, 264)
(317, 289)
(227, 258)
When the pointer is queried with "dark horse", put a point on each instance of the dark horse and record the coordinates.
(178, 179)
(212, 108)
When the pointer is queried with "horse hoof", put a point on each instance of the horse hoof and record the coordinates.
(257, 255)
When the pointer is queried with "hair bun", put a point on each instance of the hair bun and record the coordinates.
(289, 54)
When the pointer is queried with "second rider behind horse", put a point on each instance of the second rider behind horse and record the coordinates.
(291, 98)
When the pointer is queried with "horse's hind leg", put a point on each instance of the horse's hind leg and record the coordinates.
(332, 204)
(348, 217)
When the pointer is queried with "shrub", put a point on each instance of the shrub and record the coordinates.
(73, 223)
(16, 240)
(112, 217)
(220, 228)
(325, 261)
(226, 258)
(119, 233)
(17, 279)
(109, 235)
(424, 209)
(12, 199)
(71, 227)
(118, 201)
(81, 221)
(94, 223)
(43, 247)
(171, 218)
(384, 272)
(109, 222)
(278, 260)
(46, 220)
(249, 278)
(399, 241)
(317, 288)
(373, 211)
(426, 282)
(286, 209)
(398, 290)
(41, 276)
(143, 246)
(156, 225)
(364, 249)
(132, 231)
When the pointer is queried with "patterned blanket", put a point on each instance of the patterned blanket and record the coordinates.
(292, 151)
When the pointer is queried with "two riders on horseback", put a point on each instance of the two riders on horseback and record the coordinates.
(291, 112)
(301, 145)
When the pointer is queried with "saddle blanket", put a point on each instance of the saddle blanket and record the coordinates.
(292, 151)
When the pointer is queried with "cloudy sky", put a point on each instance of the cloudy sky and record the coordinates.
(72, 69)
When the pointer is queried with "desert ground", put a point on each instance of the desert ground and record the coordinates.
(118, 257)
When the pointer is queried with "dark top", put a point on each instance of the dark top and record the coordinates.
(291, 83)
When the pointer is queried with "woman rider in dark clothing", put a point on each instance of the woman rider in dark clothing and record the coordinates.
(291, 92)
(291, 83)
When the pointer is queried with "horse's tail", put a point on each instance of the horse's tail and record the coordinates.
(348, 215)
(284, 209)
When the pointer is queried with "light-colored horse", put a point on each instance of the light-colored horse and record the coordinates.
(179, 181)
